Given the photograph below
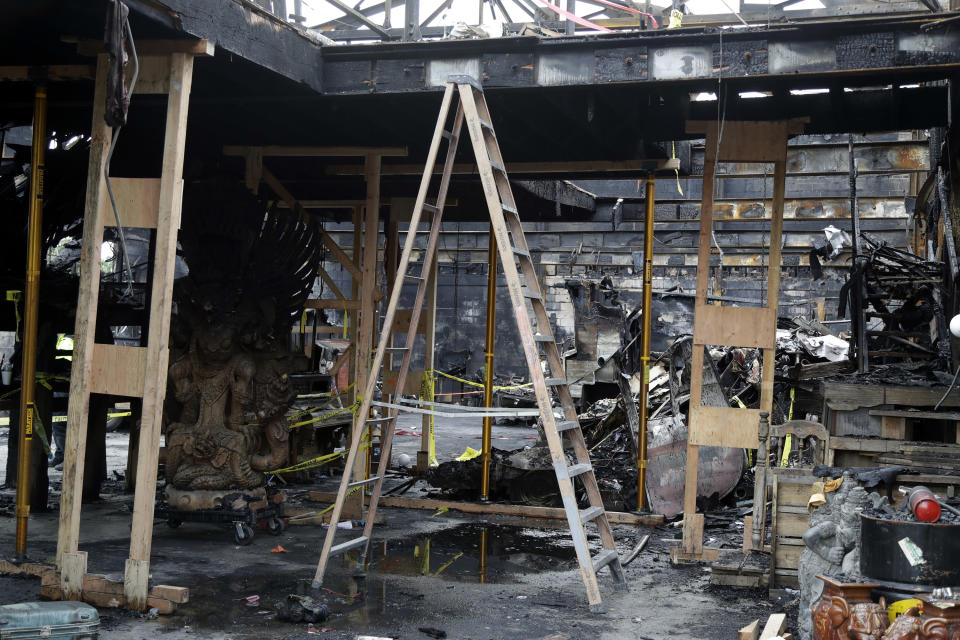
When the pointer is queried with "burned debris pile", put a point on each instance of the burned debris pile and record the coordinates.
(732, 377)
(894, 297)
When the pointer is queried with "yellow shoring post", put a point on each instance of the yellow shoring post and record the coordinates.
(31, 302)
(645, 343)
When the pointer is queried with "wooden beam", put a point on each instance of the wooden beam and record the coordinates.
(752, 630)
(202, 47)
(776, 623)
(68, 533)
(640, 167)
(325, 237)
(328, 303)
(522, 510)
(49, 73)
(383, 33)
(314, 151)
(137, 568)
(330, 283)
(350, 204)
(430, 341)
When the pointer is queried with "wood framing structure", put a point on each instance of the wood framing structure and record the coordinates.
(152, 203)
(743, 141)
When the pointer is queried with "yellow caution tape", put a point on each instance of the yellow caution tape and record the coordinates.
(788, 440)
(480, 384)
(352, 409)
(309, 464)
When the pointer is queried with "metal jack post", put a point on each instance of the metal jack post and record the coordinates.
(31, 301)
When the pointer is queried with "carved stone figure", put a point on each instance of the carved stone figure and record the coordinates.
(832, 545)
(249, 274)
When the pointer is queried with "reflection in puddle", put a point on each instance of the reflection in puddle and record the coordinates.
(473, 552)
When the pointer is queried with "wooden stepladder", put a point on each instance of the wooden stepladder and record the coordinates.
(536, 334)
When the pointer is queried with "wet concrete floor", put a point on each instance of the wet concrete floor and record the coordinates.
(469, 577)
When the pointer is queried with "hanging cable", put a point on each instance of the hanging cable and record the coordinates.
(124, 258)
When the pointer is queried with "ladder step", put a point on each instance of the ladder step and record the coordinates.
(509, 209)
(446, 134)
(343, 547)
(530, 293)
(486, 125)
(499, 167)
(579, 469)
(378, 420)
(556, 382)
(432, 208)
(520, 252)
(603, 558)
(370, 480)
(592, 513)
(539, 337)
(395, 349)
(567, 425)
(410, 276)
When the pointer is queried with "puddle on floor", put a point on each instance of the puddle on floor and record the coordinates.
(472, 552)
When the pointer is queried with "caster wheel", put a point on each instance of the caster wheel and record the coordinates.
(242, 533)
(173, 523)
(276, 526)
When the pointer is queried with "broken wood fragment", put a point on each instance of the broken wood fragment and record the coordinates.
(776, 623)
(750, 632)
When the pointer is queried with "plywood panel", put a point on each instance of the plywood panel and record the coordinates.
(735, 326)
(118, 370)
(138, 200)
(724, 427)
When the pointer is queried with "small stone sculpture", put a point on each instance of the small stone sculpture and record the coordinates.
(832, 544)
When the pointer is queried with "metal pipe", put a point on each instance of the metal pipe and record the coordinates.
(488, 362)
(645, 344)
(31, 302)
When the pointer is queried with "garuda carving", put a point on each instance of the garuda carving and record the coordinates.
(249, 272)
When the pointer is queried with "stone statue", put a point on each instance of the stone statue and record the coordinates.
(228, 385)
(832, 545)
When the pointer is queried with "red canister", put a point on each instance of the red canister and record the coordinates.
(924, 504)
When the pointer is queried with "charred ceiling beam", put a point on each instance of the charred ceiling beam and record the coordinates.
(244, 30)
(860, 52)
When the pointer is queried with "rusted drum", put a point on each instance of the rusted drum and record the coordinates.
(912, 554)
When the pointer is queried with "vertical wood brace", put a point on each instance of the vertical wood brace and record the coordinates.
(181, 76)
(68, 535)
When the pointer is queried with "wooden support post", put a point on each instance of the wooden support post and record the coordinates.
(68, 536)
(155, 382)
(425, 456)
(368, 320)
(733, 326)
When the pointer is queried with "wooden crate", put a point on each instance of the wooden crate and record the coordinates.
(791, 491)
